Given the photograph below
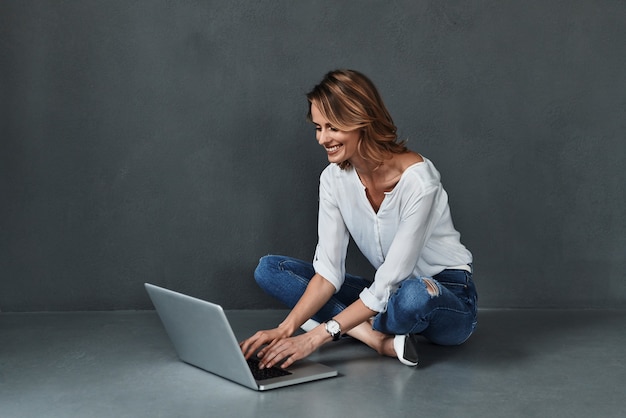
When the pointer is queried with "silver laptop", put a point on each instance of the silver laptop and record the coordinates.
(202, 337)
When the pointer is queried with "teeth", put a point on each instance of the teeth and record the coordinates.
(333, 149)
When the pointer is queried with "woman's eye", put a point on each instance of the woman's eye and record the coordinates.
(332, 128)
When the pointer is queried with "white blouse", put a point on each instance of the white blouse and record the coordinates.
(411, 235)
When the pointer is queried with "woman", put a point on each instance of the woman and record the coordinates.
(390, 200)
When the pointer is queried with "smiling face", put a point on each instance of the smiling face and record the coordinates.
(340, 145)
(353, 123)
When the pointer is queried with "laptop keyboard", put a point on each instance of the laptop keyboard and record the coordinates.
(262, 374)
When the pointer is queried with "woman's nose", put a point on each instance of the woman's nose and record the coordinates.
(321, 137)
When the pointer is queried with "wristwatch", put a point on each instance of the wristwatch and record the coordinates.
(334, 329)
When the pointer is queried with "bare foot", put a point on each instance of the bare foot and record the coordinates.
(382, 343)
(387, 346)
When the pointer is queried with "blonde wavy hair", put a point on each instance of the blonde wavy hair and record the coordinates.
(349, 100)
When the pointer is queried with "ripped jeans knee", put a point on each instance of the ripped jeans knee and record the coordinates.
(432, 286)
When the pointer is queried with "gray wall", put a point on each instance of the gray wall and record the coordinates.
(166, 141)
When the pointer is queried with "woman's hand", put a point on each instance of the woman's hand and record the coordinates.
(288, 350)
(261, 338)
(281, 348)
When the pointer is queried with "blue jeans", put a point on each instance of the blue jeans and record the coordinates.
(441, 308)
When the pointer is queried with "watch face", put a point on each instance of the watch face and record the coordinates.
(333, 327)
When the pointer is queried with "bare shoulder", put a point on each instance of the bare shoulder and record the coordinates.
(398, 164)
(409, 158)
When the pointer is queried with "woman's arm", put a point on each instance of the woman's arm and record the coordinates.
(289, 350)
(317, 293)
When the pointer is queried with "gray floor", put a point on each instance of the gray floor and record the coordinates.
(121, 364)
